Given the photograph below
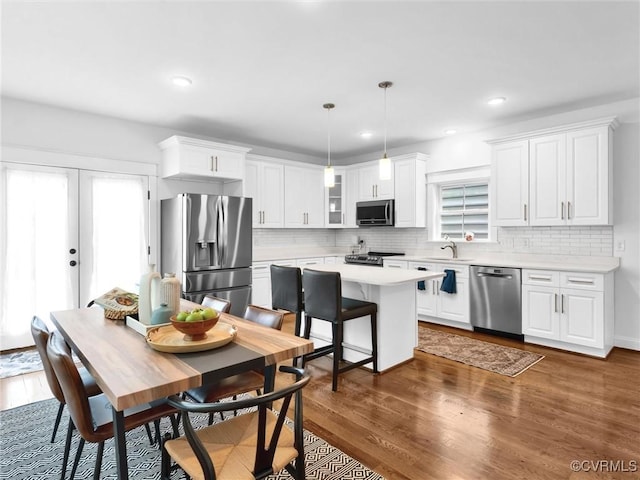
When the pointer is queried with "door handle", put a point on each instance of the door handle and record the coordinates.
(73, 263)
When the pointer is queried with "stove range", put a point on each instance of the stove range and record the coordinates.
(372, 258)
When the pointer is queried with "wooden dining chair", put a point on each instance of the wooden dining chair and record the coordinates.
(218, 304)
(253, 445)
(324, 301)
(250, 381)
(91, 416)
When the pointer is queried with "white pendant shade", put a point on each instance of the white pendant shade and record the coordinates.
(329, 177)
(385, 168)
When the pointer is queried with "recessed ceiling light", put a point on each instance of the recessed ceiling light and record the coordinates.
(366, 134)
(450, 131)
(497, 101)
(180, 81)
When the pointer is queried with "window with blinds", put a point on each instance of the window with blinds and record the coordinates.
(464, 208)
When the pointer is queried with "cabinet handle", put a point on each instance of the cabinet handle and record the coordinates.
(525, 212)
(343, 218)
(211, 164)
(561, 210)
(562, 303)
(568, 210)
(433, 287)
(373, 191)
(555, 302)
(540, 277)
(216, 163)
(583, 281)
(376, 191)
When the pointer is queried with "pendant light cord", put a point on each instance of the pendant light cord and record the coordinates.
(328, 137)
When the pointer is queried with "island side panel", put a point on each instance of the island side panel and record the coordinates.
(397, 324)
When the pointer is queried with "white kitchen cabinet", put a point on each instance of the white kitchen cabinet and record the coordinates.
(303, 197)
(335, 214)
(410, 191)
(388, 263)
(261, 284)
(442, 307)
(264, 182)
(554, 177)
(510, 184)
(370, 186)
(309, 262)
(351, 197)
(195, 159)
(568, 310)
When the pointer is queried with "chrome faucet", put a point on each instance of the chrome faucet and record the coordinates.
(453, 247)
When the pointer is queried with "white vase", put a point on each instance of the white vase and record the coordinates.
(170, 292)
(148, 298)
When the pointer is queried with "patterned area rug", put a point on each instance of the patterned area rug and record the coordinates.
(488, 356)
(25, 451)
(19, 363)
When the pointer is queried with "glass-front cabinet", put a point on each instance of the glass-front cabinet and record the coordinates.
(334, 212)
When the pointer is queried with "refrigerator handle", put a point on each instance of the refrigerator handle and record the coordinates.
(220, 235)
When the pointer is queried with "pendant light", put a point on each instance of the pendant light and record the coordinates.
(385, 163)
(329, 174)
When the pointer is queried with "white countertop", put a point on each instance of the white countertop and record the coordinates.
(376, 275)
(513, 260)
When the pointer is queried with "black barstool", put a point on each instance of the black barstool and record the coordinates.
(323, 300)
(286, 291)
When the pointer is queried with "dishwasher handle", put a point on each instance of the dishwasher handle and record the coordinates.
(494, 275)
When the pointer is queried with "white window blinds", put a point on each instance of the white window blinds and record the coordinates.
(464, 208)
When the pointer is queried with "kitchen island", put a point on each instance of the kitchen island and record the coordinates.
(394, 290)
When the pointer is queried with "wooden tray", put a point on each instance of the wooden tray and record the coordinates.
(168, 339)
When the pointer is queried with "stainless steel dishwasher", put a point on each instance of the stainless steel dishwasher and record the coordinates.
(496, 300)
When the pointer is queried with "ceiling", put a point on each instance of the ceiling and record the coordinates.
(261, 71)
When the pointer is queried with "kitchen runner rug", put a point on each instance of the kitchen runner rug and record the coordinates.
(26, 451)
(488, 356)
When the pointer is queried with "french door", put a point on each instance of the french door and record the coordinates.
(66, 236)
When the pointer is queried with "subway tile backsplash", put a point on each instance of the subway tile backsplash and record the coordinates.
(588, 241)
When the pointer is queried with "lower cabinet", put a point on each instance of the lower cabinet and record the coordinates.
(442, 307)
(568, 310)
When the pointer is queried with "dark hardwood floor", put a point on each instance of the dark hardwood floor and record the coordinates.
(433, 418)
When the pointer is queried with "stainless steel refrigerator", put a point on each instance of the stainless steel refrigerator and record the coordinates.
(206, 240)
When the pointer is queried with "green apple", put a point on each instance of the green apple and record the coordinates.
(194, 317)
(209, 313)
(182, 316)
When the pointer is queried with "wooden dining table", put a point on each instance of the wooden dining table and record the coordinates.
(131, 373)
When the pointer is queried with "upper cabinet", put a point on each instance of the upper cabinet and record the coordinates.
(410, 190)
(303, 197)
(264, 182)
(335, 197)
(555, 177)
(510, 183)
(195, 159)
(370, 185)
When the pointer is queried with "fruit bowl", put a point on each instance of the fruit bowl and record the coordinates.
(194, 330)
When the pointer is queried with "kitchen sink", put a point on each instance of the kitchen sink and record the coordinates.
(447, 259)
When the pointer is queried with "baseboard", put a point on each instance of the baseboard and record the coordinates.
(626, 342)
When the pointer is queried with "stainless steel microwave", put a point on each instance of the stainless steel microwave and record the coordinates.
(375, 213)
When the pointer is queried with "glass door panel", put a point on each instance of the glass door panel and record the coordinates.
(38, 247)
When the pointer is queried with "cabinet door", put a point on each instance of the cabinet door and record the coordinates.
(426, 298)
(251, 188)
(335, 196)
(314, 195)
(227, 164)
(261, 285)
(510, 179)
(547, 180)
(272, 195)
(295, 211)
(540, 314)
(410, 193)
(588, 177)
(351, 197)
(367, 177)
(455, 306)
(582, 317)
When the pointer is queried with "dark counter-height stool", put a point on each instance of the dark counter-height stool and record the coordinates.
(323, 300)
(286, 291)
